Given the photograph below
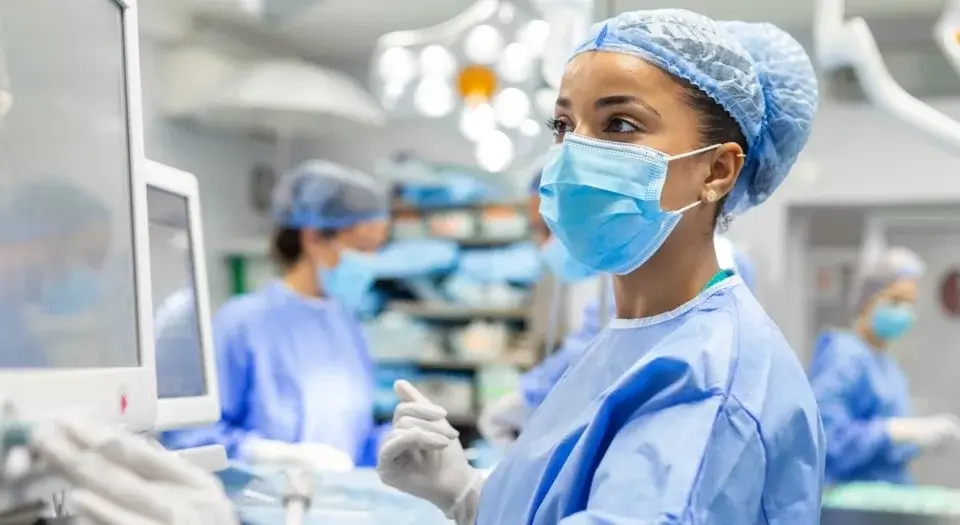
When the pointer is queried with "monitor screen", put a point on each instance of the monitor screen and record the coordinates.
(68, 295)
(176, 325)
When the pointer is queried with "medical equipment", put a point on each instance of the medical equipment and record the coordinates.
(77, 117)
(480, 71)
(842, 42)
(186, 386)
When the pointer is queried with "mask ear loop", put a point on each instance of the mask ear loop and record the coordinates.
(712, 196)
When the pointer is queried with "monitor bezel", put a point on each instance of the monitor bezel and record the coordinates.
(181, 412)
(125, 396)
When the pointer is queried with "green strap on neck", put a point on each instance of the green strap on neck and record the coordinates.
(718, 277)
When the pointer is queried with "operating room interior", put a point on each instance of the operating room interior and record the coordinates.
(109, 263)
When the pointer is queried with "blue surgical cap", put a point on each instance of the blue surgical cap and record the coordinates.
(323, 195)
(49, 208)
(894, 265)
(757, 72)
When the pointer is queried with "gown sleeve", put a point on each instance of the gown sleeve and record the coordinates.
(707, 468)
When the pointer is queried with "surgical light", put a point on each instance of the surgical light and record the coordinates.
(507, 13)
(437, 61)
(483, 44)
(433, 97)
(477, 122)
(476, 83)
(396, 65)
(530, 128)
(512, 107)
(516, 63)
(533, 35)
(495, 152)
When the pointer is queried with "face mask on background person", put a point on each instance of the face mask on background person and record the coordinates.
(891, 320)
(72, 293)
(350, 281)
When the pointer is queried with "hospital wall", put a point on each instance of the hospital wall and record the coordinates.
(220, 161)
(857, 156)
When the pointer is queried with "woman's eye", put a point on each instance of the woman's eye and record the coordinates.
(619, 125)
(557, 126)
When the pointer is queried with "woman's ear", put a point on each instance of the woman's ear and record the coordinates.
(727, 162)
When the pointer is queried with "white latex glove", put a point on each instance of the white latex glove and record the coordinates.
(925, 432)
(423, 457)
(122, 479)
(500, 422)
(315, 457)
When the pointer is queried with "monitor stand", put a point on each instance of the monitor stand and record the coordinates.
(210, 458)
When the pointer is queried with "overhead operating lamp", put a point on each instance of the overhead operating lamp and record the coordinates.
(841, 42)
(947, 32)
(491, 72)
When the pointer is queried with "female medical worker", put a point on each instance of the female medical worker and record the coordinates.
(502, 421)
(296, 377)
(690, 406)
(861, 390)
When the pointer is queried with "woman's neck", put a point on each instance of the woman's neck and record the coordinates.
(302, 279)
(670, 278)
(861, 328)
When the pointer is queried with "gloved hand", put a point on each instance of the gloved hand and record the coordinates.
(501, 421)
(122, 479)
(925, 432)
(315, 457)
(423, 457)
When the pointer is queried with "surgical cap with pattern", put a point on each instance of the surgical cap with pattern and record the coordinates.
(895, 264)
(757, 72)
(323, 195)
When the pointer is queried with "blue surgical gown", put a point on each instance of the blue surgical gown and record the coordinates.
(858, 389)
(699, 415)
(537, 382)
(19, 348)
(291, 369)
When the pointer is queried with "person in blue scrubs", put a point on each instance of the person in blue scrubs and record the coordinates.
(689, 407)
(51, 263)
(296, 375)
(862, 391)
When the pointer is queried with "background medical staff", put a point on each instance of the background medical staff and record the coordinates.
(51, 264)
(664, 121)
(296, 377)
(862, 392)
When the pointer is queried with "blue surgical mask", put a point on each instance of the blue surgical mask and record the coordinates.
(602, 200)
(890, 321)
(72, 293)
(350, 281)
(564, 267)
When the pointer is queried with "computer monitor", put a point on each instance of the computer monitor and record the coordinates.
(76, 332)
(186, 370)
